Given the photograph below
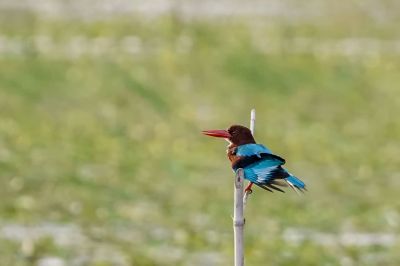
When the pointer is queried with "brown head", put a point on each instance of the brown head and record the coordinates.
(236, 134)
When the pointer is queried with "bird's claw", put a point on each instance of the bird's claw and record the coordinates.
(248, 191)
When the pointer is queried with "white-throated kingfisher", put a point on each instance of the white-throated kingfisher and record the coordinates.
(260, 165)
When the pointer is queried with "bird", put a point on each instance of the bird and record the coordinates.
(260, 166)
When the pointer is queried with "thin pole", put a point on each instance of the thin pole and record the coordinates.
(239, 202)
(238, 219)
(252, 120)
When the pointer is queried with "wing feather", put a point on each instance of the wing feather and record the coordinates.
(252, 149)
(262, 172)
(252, 153)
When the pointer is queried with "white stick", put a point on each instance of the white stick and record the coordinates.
(252, 120)
(239, 202)
(238, 219)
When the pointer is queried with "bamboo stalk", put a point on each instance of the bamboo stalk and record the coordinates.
(252, 120)
(238, 219)
(239, 202)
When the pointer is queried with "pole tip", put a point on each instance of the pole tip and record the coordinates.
(253, 113)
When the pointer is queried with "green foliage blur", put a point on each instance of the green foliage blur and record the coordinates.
(102, 161)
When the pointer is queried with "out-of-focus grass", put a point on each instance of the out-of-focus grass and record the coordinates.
(109, 141)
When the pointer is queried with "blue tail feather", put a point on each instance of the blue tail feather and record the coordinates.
(296, 182)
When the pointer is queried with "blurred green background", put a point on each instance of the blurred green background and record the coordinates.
(101, 107)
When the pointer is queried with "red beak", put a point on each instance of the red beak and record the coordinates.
(217, 133)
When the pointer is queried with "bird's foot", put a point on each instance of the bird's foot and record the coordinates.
(248, 189)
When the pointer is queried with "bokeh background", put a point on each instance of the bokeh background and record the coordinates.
(101, 106)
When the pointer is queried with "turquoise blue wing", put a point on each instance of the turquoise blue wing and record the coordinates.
(264, 171)
(252, 149)
(253, 153)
